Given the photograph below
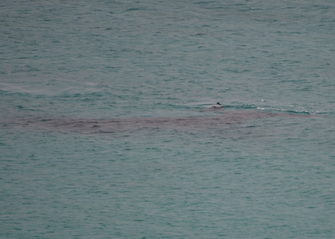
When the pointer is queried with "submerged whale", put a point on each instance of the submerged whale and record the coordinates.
(121, 125)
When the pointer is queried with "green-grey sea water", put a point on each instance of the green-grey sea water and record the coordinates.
(107, 130)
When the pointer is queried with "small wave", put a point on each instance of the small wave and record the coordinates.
(16, 89)
(272, 109)
(288, 110)
(242, 107)
(60, 88)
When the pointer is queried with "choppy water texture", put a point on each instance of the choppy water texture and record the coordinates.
(107, 130)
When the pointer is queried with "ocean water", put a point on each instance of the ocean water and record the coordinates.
(107, 130)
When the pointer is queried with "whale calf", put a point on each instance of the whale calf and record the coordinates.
(217, 106)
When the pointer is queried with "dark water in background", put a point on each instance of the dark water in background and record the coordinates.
(106, 131)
